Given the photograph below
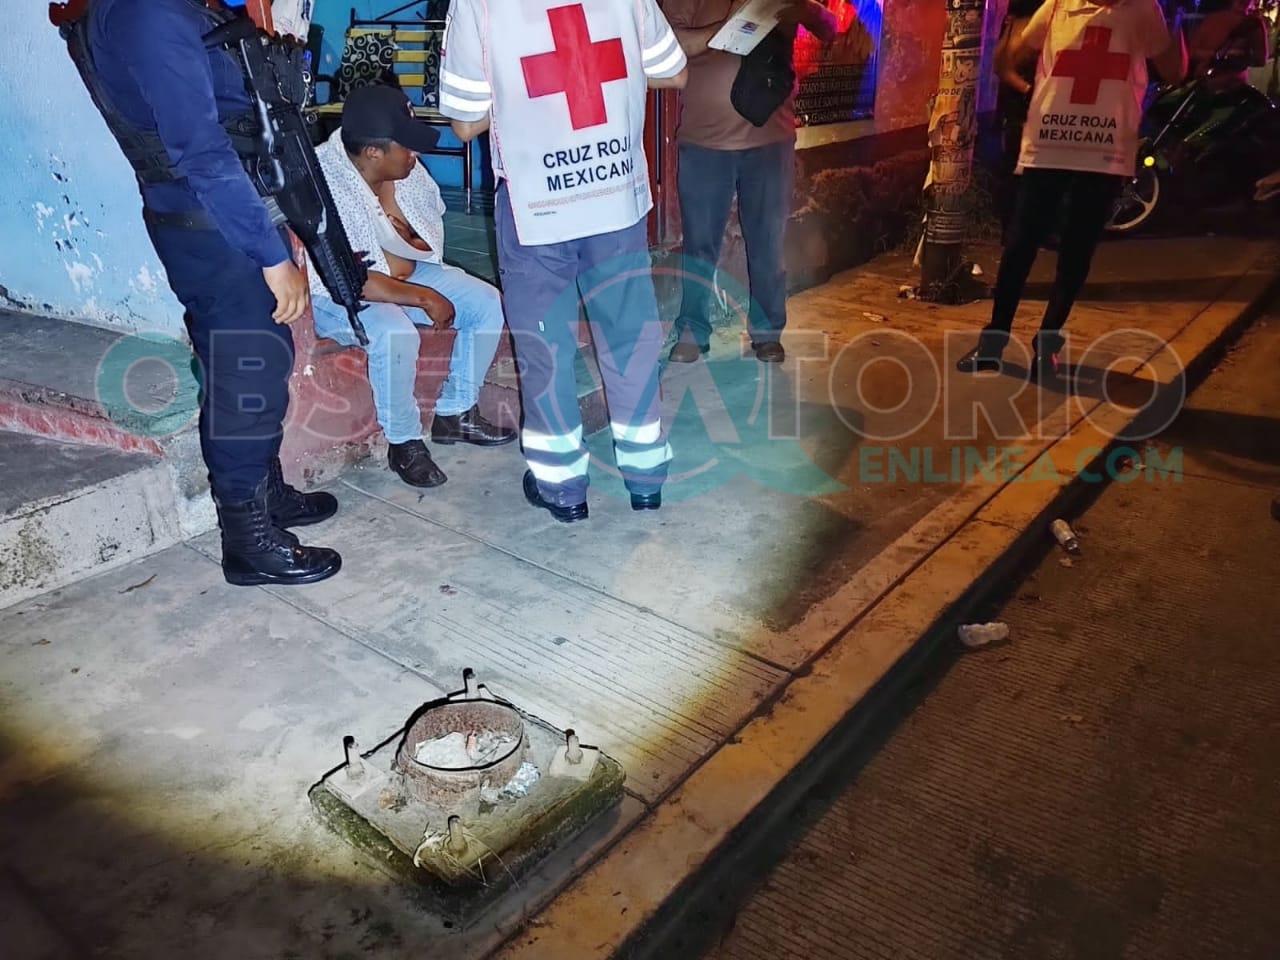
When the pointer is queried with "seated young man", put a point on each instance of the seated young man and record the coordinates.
(394, 217)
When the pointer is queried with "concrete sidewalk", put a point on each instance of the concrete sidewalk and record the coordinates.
(160, 729)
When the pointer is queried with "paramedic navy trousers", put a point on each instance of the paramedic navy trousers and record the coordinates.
(245, 357)
(543, 286)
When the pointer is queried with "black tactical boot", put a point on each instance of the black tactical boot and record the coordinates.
(293, 508)
(255, 551)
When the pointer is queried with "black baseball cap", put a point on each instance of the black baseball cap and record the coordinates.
(383, 112)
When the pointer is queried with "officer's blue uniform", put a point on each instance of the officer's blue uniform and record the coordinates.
(151, 73)
(152, 61)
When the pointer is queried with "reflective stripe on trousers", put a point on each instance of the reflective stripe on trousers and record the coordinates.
(544, 288)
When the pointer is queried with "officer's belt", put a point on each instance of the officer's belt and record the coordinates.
(184, 219)
(201, 220)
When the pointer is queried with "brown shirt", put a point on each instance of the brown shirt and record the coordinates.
(707, 118)
(1232, 34)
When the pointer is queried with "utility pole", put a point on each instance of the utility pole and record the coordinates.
(953, 128)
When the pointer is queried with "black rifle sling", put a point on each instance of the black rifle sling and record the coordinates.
(285, 168)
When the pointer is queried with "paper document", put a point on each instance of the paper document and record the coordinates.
(292, 18)
(745, 29)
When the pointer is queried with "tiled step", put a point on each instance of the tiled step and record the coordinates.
(90, 385)
(68, 510)
(80, 384)
(108, 391)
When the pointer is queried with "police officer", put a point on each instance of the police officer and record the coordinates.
(562, 88)
(166, 98)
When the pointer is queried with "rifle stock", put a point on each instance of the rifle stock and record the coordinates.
(285, 168)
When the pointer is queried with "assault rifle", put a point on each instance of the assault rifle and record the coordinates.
(284, 166)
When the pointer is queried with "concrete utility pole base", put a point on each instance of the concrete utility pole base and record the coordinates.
(953, 127)
(942, 273)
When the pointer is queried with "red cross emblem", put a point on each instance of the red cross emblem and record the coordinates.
(577, 67)
(1091, 64)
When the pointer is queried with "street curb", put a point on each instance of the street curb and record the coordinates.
(702, 834)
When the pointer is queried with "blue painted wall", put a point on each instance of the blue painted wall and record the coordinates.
(72, 242)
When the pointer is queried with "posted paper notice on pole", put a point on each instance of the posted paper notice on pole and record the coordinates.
(743, 31)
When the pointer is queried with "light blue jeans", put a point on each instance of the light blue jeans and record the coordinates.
(393, 346)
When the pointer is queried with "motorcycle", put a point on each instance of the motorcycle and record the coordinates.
(1198, 147)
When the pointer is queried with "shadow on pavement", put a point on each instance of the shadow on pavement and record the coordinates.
(248, 897)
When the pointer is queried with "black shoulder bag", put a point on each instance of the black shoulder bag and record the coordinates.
(765, 78)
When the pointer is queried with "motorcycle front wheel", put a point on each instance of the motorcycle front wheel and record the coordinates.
(1137, 202)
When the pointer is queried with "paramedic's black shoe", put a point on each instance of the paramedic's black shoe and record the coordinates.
(647, 501)
(570, 514)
